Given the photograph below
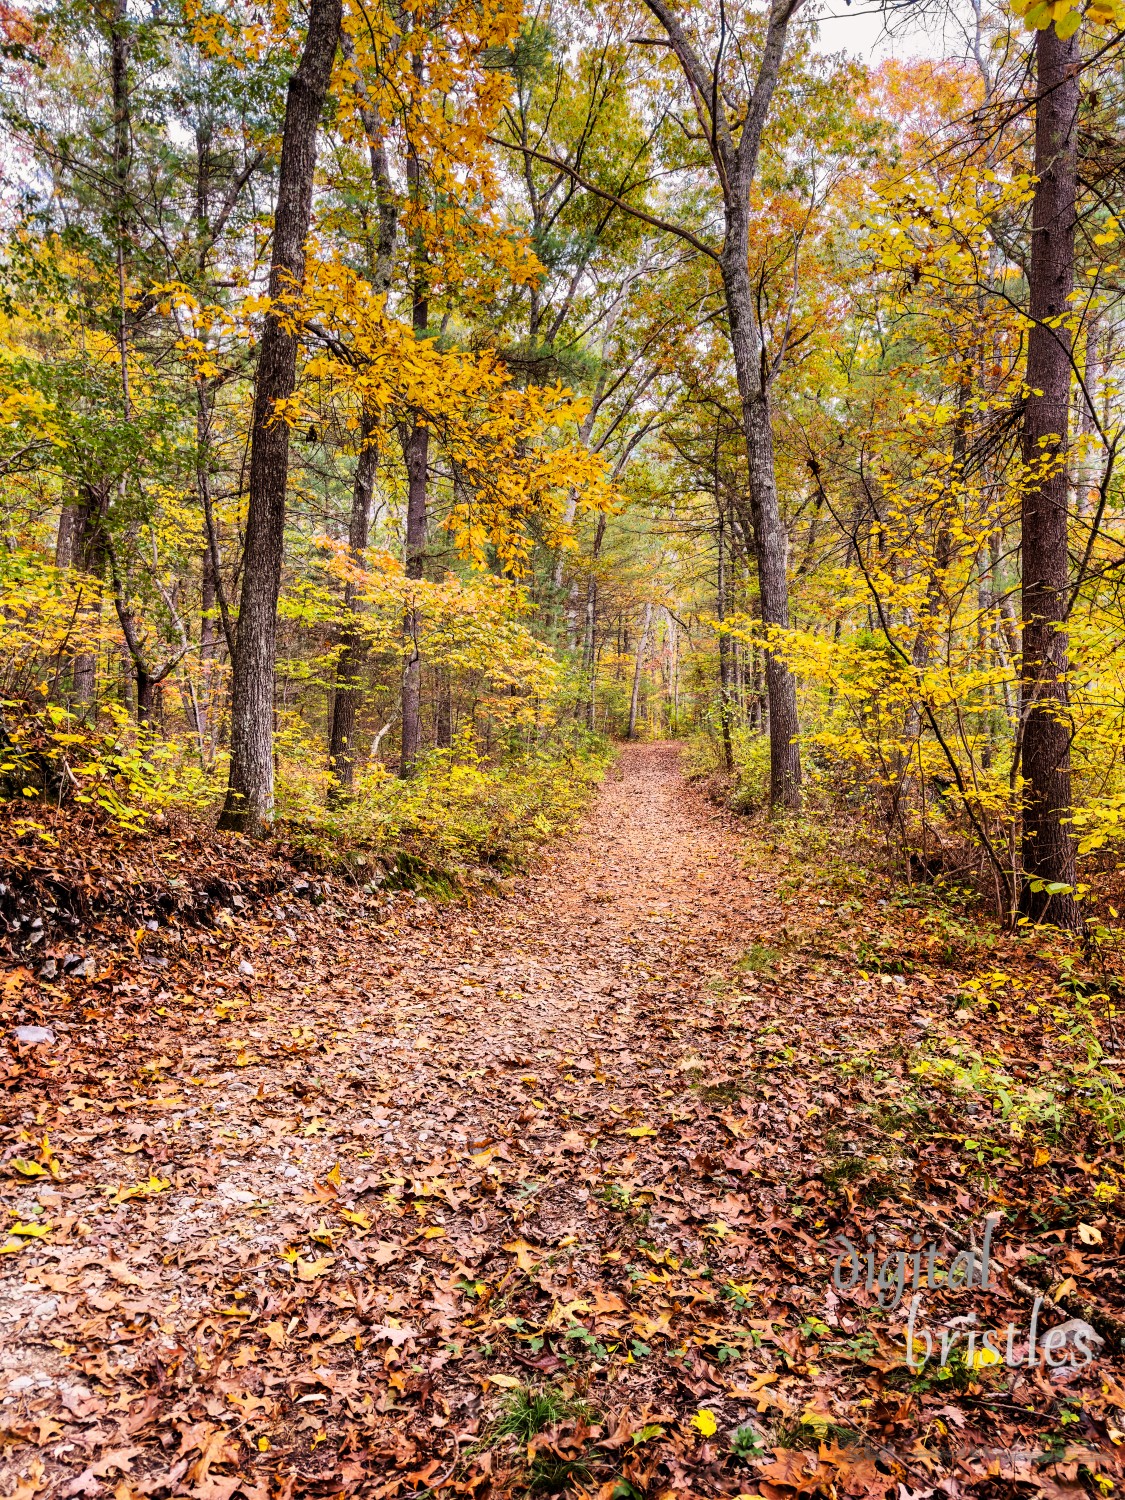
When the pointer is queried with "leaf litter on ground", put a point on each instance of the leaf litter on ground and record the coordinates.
(541, 1188)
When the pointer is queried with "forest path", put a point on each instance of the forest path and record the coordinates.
(325, 1186)
(328, 1191)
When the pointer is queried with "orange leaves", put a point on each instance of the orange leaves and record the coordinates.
(524, 1254)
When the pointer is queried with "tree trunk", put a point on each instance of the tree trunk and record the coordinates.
(341, 748)
(771, 548)
(443, 716)
(81, 545)
(638, 667)
(417, 461)
(736, 166)
(250, 790)
(724, 640)
(590, 663)
(1048, 849)
(416, 451)
(771, 544)
(341, 743)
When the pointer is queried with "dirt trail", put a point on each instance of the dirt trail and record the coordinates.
(645, 903)
(304, 1215)
(319, 1199)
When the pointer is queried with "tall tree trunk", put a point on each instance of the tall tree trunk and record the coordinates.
(1048, 849)
(771, 544)
(341, 744)
(443, 716)
(736, 167)
(416, 452)
(638, 668)
(250, 790)
(591, 652)
(417, 462)
(81, 545)
(213, 574)
(724, 639)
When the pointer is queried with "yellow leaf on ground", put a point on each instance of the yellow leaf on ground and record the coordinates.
(704, 1422)
(1089, 1235)
(28, 1168)
(309, 1270)
(639, 1130)
(359, 1218)
(30, 1231)
(434, 1232)
(147, 1189)
(506, 1382)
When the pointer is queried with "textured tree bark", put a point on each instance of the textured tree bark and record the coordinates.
(416, 452)
(1048, 849)
(736, 166)
(345, 705)
(443, 715)
(417, 463)
(250, 790)
(590, 644)
(724, 639)
(638, 668)
(80, 545)
(771, 543)
(341, 744)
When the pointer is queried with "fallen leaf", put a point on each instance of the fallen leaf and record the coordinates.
(524, 1253)
(27, 1168)
(704, 1421)
(309, 1270)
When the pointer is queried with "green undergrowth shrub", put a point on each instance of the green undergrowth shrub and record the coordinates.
(459, 810)
(745, 787)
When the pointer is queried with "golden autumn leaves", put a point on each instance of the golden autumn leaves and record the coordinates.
(513, 467)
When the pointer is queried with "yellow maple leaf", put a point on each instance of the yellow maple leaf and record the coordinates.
(704, 1422)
